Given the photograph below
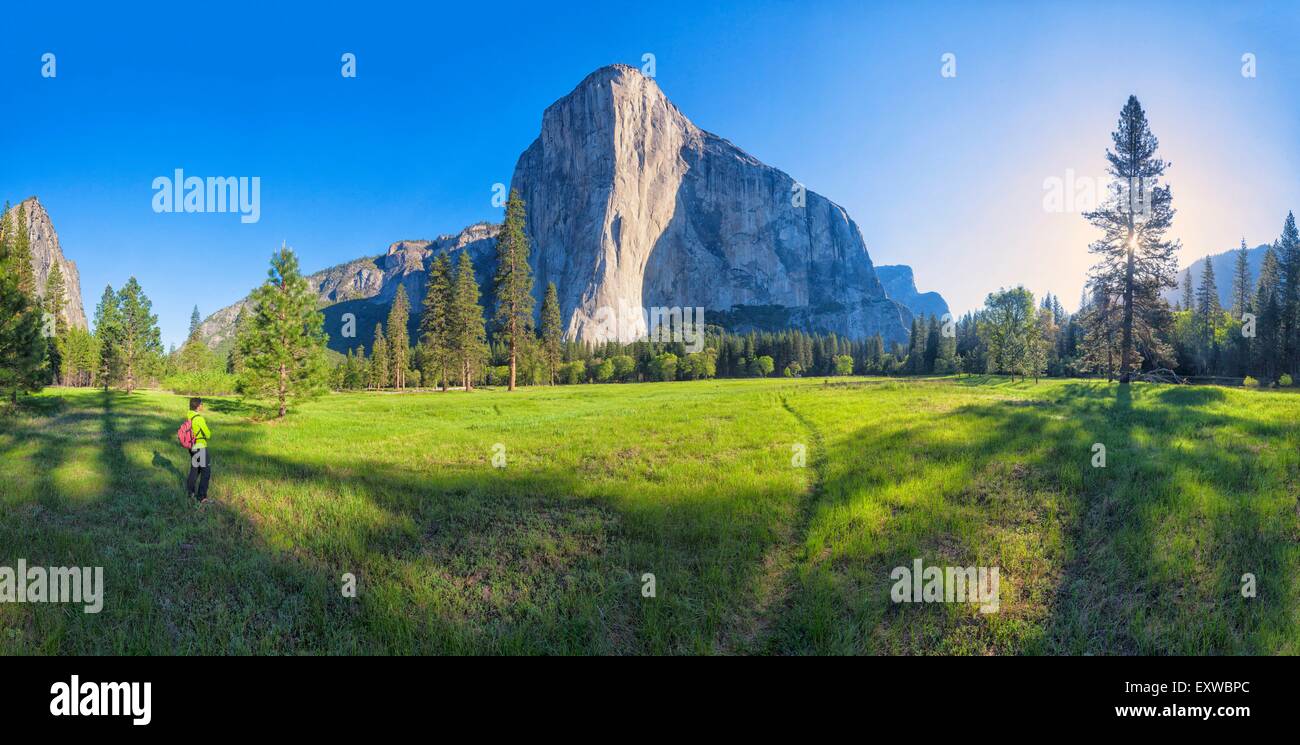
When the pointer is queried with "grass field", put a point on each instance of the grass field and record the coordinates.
(695, 483)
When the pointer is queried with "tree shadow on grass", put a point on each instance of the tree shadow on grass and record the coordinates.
(461, 559)
(1143, 556)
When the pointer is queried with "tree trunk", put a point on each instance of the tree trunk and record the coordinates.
(1126, 349)
(514, 348)
(283, 389)
(469, 385)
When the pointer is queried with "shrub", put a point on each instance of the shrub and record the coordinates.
(571, 373)
(624, 368)
(499, 375)
(1285, 381)
(1250, 382)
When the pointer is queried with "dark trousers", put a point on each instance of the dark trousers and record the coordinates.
(200, 472)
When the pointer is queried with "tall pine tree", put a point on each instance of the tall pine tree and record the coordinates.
(468, 335)
(283, 342)
(108, 335)
(1241, 286)
(1136, 260)
(141, 341)
(514, 284)
(399, 343)
(53, 305)
(1288, 255)
(552, 331)
(435, 323)
(22, 346)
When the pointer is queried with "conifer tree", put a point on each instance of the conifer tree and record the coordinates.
(1267, 346)
(380, 373)
(552, 331)
(1241, 286)
(514, 284)
(19, 258)
(469, 337)
(53, 305)
(141, 341)
(283, 342)
(1136, 260)
(435, 324)
(399, 344)
(1207, 312)
(1288, 256)
(108, 337)
(22, 346)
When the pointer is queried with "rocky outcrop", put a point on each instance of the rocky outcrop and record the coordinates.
(46, 252)
(631, 206)
(900, 286)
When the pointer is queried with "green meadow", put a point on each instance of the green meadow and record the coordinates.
(700, 484)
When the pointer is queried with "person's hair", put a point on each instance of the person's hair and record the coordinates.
(195, 403)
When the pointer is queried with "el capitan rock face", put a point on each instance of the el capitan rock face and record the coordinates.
(46, 252)
(632, 206)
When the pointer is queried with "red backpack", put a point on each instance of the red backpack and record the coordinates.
(186, 435)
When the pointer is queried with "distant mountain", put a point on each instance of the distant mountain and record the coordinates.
(1225, 267)
(901, 287)
(46, 252)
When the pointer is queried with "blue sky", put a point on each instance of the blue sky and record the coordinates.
(945, 174)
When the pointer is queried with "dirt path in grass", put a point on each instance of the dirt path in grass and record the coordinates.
(779, 570)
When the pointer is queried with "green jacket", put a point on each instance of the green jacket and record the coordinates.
(199, 426)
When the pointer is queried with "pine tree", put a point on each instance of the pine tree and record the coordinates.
(1136, 261)
(552, 331)
(283, 341)
(195, 321)
(1241, 305)
(932, 344)
(1208, 312)
(468, 337)
(22, 346)
(514, 284)
(380, 372)
(1289, 258)
(141, 341)
(1267, 346)
(108, 336)
(1241, 283)
(53, 302)
(435, 324)
(19, 259)
(399, 344)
